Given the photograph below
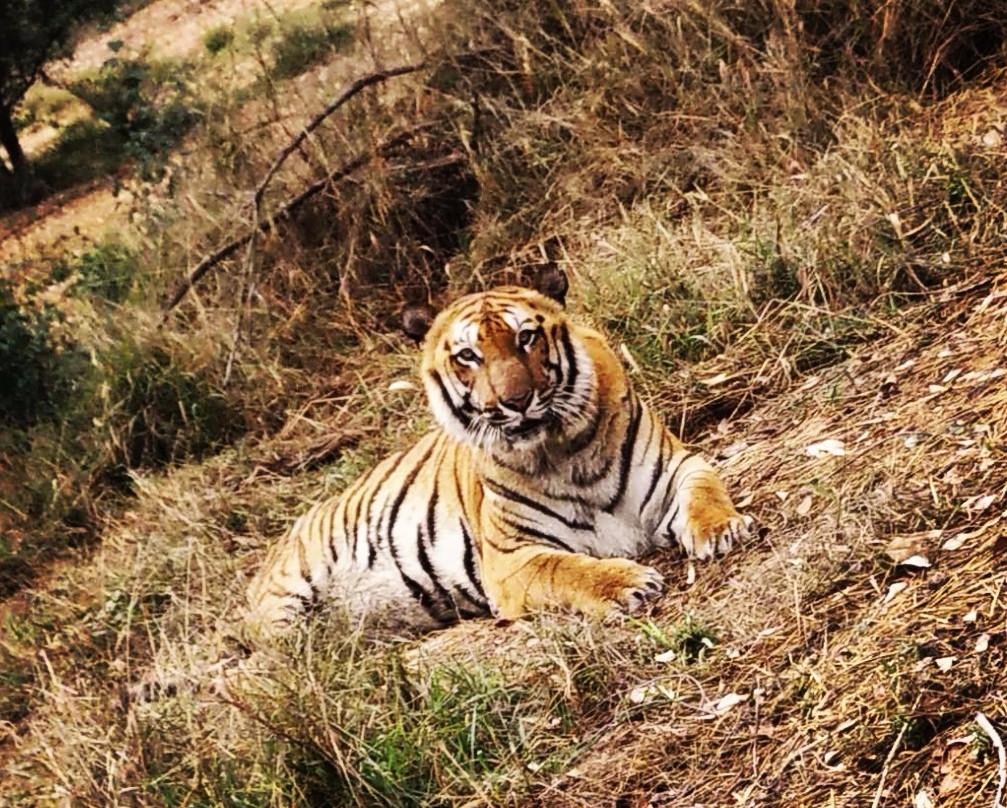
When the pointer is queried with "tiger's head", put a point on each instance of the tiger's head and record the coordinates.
(502, 369)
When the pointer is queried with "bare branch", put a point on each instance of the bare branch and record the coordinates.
(352, 90)
(290, 206)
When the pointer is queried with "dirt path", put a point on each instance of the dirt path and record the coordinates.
(173, 29)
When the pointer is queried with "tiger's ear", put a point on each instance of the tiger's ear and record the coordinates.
(417, 319)
(552, 282)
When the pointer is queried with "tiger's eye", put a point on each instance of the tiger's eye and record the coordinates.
(467, 355)
(527, 337)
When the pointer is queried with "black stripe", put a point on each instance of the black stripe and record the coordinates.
(671, 518)
(655, 475)
(525, 531)
(587, 480)
(521, 499)
(351, 537)
(330, 535)
(424, 556)
(392, 513)
(304, 568)
(571, 359)
(525, 471)
(423, 598)
(464, 419)
(626, 453)
(432, 515)
(351, 499)
(373, 524)
(671, 491)
(307, 603)
(469, 561)
(499, 547)
(586, 436)
(447, 602)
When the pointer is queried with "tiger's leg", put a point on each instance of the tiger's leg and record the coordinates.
(522, 576)
(701, 515)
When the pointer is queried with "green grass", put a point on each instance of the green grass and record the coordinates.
(218, 39)
(300, 46)
(84, 151)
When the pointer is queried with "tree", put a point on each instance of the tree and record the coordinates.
(33, 33)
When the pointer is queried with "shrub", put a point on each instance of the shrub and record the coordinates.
(107, 271)
(32, 371)
(146, 107)
(217, 39)
(163, 408)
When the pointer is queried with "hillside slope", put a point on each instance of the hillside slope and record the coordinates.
(801, 259)
(820, 664)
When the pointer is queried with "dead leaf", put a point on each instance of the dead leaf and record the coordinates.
(944, 663)
(827, 447)
(804, 506)
(912, 550)
(894, 590)
(978, 504)
(992, 139)
(956, 542)
(725, 704)
(982, 643)
(745, 501)
(999, 546)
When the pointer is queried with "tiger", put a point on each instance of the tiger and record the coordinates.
(545, 477)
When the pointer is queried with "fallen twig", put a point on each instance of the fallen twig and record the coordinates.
(888, 762)
(286, 209)
(997, 741)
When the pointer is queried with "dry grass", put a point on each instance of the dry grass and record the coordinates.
(792, 219)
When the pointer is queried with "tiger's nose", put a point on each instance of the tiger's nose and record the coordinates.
(518, 402)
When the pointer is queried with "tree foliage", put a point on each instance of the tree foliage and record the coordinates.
(34, 32)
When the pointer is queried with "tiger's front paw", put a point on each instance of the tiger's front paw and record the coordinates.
(709, 533)
(624, 586)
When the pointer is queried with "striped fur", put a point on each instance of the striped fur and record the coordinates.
(546, 476)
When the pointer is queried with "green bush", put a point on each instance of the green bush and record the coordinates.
(162, 409)
(107, 271)
(147, 108)
(217, 39)
(32, 369)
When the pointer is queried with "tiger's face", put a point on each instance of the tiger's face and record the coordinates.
(501, 370)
